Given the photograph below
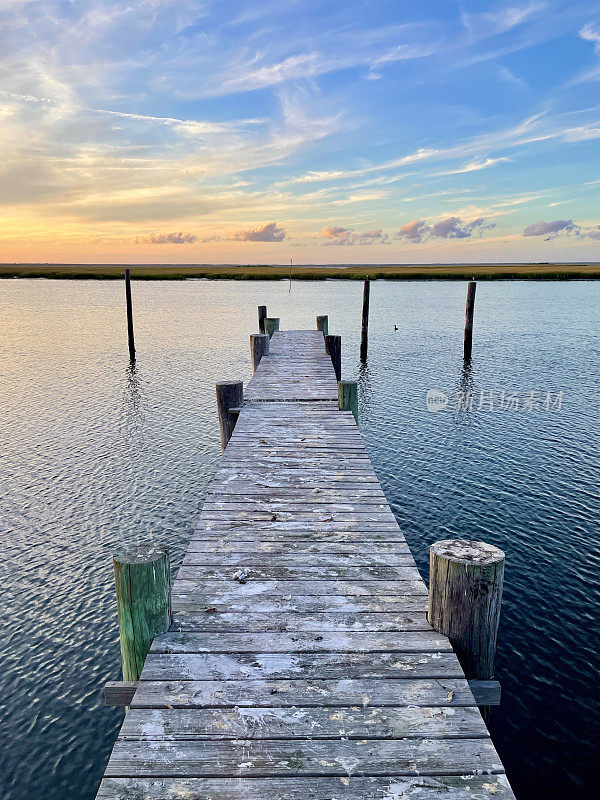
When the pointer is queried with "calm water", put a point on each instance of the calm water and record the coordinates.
(93, 454)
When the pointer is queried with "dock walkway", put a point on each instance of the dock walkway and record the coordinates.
(300, 665)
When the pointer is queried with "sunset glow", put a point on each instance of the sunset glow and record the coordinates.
(161, 131)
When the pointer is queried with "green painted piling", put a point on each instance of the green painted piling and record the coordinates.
(143, 584)
(348, 397)
(323, 324)
(271, 325)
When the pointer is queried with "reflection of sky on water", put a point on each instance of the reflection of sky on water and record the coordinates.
(96, 451)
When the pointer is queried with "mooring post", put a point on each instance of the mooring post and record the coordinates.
(271, 325)
(259, 347)
(129, 315)
(469, 319)
(323, 324)
(364, 331)
(262, 313)
(333, 347)
(465, 594)
(348, 397)
(230, 394)
(143, 583)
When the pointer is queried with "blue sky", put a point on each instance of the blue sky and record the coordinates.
(158, 131)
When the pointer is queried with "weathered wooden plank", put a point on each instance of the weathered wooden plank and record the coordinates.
(250, 757)
(411, 787)
(332, 666)
(121, 693)
(300, 572)
(293, 560)
(295, 621)
(233, 508)
(222, 603)
(256, 544)
(303, 723)
(311, 529)
(407, 642)
(226, 587)
(300, 692)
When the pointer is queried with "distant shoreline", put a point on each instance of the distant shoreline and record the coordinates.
(154, 272)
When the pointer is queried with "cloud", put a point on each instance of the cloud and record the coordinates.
(454, 228)
(167, 238)
(491, 23)
(335, 232)
(475, 166)
(269, 232)
(346, 236)
(554, 228)
(591, 34)
(414, 231)
(419, 230)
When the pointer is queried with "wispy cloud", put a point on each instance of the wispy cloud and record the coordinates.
(475, 166)
(334, 234)
(268, 232)
(492, 23)
(418, 230)
(167, 238)
(557, 226)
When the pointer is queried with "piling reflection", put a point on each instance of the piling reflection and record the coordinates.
(133, 415)
(365, 389)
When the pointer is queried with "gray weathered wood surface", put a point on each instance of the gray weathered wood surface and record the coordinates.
(300, 664)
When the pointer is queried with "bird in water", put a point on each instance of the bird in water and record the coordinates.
(395, 327)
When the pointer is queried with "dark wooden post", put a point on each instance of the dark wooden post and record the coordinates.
(465, 594)
(129, 315)
(143, 583)
(271, 325)
(348, 397)
(333, 346)
(262, 313)
(323, 324)
(230, 394)
(364, 332)
(259, 347)
(469, 319)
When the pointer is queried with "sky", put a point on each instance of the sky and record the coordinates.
(175, 131)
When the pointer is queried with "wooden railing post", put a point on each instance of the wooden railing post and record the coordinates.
(271, 325)
(230, 394)
(468, 346)
(262, 313)
(364, 331)
(465, 594)
(348, 397)
(323, 324)
(259, 347)
(143, 584)
(129, 315)
(333, 347)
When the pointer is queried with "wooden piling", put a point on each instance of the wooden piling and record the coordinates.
(129, 315)
(364, 332)
(323, 324)
(465, 594)
(230, 394)
(333, 346)
(348, 397)
(469, 319)
(143, 583)
(259, 347)
(262, 313)
(271, 325)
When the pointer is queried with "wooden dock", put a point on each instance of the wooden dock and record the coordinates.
(300, 665)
